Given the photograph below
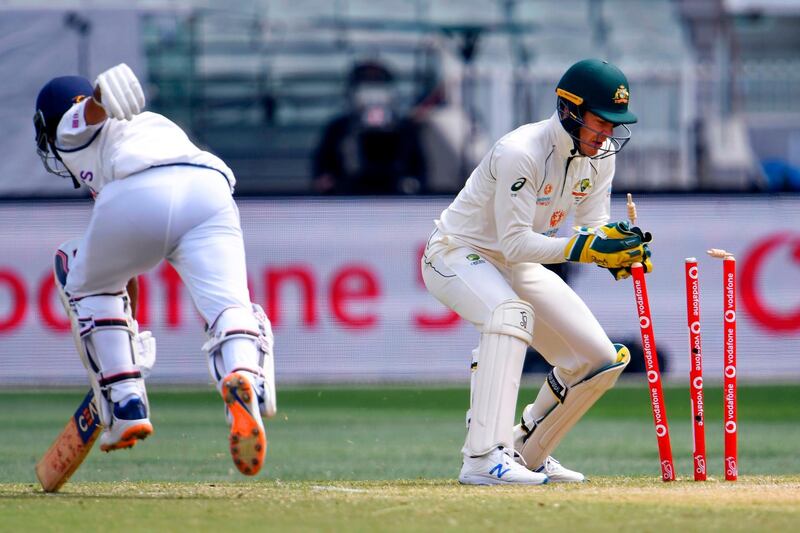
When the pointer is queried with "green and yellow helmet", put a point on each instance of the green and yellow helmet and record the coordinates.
(600, 87)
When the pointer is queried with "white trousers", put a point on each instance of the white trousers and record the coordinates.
(183, 214)
(565, 331)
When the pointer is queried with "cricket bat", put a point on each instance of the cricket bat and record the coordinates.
(71, 447)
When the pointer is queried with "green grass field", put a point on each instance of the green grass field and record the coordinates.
(386, 459)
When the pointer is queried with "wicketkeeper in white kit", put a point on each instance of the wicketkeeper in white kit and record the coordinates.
(485, 261)
(157, 197)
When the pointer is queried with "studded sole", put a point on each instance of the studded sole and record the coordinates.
(248, 441)
(129, 437)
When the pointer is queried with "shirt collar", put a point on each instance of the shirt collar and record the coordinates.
(561, 139)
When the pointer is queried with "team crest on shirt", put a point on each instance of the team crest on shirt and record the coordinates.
(581, 189)
(556, 218)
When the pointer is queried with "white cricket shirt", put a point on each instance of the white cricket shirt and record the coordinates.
(522, 191)
(115, 149)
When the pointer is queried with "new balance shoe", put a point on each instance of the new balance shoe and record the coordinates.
(557, 473)
(129, 423)
(498, 467)
(551, 468)
(248, 440)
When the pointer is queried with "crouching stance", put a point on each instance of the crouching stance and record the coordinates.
(485, 261)
(157, 197)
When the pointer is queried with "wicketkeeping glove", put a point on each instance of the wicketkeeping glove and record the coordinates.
(625, 272)
(121, 93)
(614, 245)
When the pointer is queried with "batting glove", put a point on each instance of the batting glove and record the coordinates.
(120, 92)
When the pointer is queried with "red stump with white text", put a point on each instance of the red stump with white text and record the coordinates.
(729, 367)
(695, 368)
(653, 373)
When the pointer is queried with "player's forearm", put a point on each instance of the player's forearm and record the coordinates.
(93, 112)
(527, 246)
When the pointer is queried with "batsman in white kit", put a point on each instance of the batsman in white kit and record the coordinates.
(485, 261)
(157, 197)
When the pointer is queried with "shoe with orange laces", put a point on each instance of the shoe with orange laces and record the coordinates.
(129, 423)
(248, 439)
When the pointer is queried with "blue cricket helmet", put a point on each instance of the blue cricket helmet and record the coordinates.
(55, 99)
(57, 96)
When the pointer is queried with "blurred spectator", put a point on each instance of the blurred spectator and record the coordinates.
(781, 176)
(452, 139)
(371, 148)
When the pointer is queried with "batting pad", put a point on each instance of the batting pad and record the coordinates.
(119, 352)
(569, 405)
(501, 353)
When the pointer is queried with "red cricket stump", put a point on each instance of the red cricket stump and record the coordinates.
(653, 373)
(695, 368)
(729, 368)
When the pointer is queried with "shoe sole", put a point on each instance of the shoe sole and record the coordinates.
(480, 480)
(561, 478)
(248, 440)
(129, 437)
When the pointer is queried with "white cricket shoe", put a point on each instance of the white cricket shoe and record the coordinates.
(498, 467)
(557, 473)
(551, 467)
(129, 423)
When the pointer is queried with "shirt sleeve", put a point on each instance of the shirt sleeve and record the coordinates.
(73, 133)
(595, 209)
(515, 206)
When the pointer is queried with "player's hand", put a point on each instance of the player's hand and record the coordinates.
(121, 93)
(614, 245)
(625, 272)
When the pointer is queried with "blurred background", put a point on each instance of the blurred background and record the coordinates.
(350, 125)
